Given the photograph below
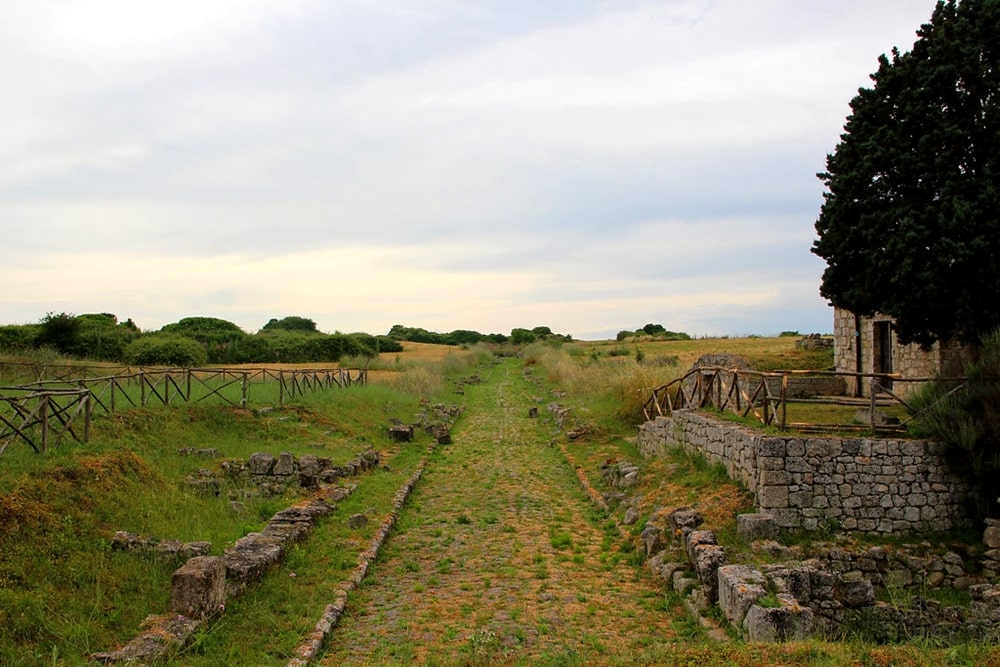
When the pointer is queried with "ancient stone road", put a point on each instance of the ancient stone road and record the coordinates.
(500, 556)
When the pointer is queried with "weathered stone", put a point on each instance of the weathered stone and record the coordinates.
(261, 463)
(740, 586)
(854, 591)
(684, 517)
(708, 558)
(696, 538)
(357, 521)
(284, 466)
(651, 538)
(168, 551)
(309, 464)
(631, 516)
(251, 556)
(788, 622)
(163, 634)
(756, 526)
(198, 588)
(991, 537)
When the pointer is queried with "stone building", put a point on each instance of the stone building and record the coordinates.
(869, 345)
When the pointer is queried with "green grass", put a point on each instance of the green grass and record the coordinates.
(64, 593)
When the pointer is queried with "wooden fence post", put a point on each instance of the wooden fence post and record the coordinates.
(244, 387)
(43, 414)
(87, 407)
(784, 400)
(871, 410)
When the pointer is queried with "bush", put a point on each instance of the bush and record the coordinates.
(18, 337)
(966, 418)
(165, 350)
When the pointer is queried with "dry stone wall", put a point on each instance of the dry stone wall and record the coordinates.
(865, 485)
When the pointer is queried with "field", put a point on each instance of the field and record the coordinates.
(498, 557)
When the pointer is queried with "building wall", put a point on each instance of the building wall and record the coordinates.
(908, 361)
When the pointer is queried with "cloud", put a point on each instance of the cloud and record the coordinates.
(589, 166)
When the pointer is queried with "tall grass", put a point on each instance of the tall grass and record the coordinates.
(618, 385)
(426, 379)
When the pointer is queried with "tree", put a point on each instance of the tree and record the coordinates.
(910, 224)
(60, 331)
(291, 323)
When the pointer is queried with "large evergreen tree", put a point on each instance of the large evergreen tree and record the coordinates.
(910, 225)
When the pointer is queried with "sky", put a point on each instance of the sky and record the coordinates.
(587, 165)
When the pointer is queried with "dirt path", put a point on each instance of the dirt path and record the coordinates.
(499, 557)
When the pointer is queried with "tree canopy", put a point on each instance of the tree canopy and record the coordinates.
(291, 323)
(910, 224)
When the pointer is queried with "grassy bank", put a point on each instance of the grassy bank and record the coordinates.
(65, 593)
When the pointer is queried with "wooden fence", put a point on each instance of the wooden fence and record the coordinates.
(767, 396)
(41, 411)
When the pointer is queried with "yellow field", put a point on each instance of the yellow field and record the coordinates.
(777, 352)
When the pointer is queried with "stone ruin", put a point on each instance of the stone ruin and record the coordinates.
(203, 584)
(828, 594)
(201, 587)
(436, 420)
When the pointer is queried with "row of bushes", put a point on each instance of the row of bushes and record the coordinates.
(192, 341)
(652, 332)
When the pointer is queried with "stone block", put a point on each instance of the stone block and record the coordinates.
(708, 558)
(198, 588)
(854, 591)
(250, 558)
(284, 466)
(772, 496)
(740, 586)
(756, 526)
(788, 622)
(261, 463)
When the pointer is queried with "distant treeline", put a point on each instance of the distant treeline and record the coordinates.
(466, 337)
(200, 341)
(190, 342)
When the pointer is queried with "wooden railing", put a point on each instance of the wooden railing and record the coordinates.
(766, 397)
(41, 417)
(41, 411)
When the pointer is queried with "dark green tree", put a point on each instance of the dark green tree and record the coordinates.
(60, 331)
(291, 323)
(910, 225)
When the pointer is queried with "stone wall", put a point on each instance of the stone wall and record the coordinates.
(866, 485)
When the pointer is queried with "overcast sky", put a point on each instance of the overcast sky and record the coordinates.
(587, 165)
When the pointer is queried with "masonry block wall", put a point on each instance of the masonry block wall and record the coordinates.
(866, 485)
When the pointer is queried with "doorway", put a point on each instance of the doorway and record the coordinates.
(882, 350)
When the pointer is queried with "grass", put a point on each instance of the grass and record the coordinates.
(64, 592)
(498, 558)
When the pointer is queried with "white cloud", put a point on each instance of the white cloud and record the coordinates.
(585, 165)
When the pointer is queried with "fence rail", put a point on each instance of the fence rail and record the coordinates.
(766, 396)
(49, 401)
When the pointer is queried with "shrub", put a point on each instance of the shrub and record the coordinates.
(18, 337)
(967, 419)
(165, 350)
